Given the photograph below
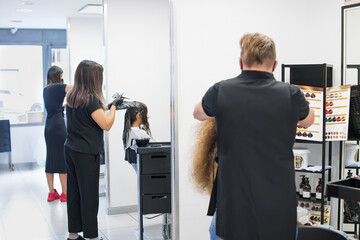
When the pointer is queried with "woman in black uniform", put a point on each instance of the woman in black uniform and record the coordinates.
(86, 120)
(55, 131)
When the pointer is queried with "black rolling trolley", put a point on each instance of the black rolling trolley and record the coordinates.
(5, 140)
(154, 180)
(339, 189)
(321, 76)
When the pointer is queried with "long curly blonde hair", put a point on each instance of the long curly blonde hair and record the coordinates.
(204, 167)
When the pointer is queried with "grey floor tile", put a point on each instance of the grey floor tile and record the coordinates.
(54, 211)
(2, 230)
(26, 213)
(116, 221)
(127, 233)
(16, 231)
(59, 227)
(60, 237)
(153, 232)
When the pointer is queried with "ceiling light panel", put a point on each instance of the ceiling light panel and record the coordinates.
(28, 3)
(24, 10)
(92, 9)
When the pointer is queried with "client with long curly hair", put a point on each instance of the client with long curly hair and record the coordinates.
(204, 165)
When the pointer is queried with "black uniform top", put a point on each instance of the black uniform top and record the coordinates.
(83, 133)
(55, 130)
(256, 118)
(54, 95)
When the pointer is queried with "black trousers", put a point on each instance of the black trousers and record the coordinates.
(82, 192)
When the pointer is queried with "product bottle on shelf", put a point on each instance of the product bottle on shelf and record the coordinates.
(319, 190)
(302, 184)
(307, 189)
(349, 174)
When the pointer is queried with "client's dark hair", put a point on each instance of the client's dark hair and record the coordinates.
(54, 75)
(130, 118)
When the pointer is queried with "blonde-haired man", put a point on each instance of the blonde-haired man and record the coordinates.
(256, 117)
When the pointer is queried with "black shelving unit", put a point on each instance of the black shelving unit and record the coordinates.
(352, 137)
(314, 75)
(308, 171)
(312, 198)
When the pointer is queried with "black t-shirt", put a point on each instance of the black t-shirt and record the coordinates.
(298, 102)
(256, 119)
(83, 133)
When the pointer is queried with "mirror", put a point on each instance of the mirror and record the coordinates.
(350, 74)
(134, 48)
(350, 44)
(137, 64)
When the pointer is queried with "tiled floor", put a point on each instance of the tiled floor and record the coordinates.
(25, 213)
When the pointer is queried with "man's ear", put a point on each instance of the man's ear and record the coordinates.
(241, 63)
(275, 65)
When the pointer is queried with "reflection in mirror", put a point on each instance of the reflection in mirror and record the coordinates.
(137, 51)
(351, 40)
(137, 64)
(60, 58)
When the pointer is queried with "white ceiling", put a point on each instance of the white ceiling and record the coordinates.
(45, 13)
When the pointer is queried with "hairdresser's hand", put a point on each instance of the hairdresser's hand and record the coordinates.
(117, 102)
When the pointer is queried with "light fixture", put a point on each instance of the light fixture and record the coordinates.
(91, 9)
(28, 3)
(16, 21)
(24, 10)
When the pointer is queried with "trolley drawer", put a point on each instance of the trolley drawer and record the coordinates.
(155, 163)
(159, 203)
(156, 183)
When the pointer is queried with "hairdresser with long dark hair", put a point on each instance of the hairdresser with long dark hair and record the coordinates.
(55, 131)
(86, 120)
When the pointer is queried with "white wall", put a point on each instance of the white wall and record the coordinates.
(208, 33)
(137, 63)
(85, 41)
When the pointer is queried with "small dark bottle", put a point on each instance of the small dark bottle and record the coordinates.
(349, 174)
(319, 190)
(302, 184)
(307, 189)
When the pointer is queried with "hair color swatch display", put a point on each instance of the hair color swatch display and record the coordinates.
(315, 211)
(337, 104)
(314, 96)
